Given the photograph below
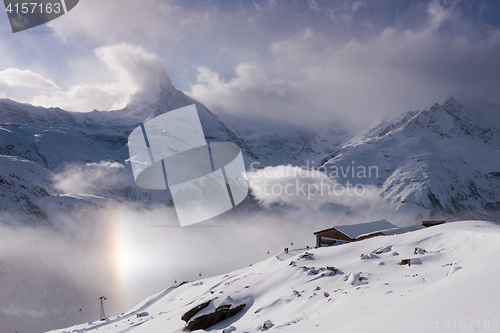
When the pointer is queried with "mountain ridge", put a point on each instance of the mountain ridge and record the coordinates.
(57, 140)
(437, 160)
(409, 149)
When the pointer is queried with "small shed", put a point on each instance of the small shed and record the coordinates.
(352, 233)
(431, 223)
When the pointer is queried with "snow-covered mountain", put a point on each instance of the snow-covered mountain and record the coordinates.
(428, 164)
(275, 142)
(57, 166)
(322, 145)
(436, 163)
(431, 164)
(38, 143)
(435, 279)
(52, 137)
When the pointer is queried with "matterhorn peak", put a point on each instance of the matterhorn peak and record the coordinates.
(161, 97)
(158, 97)
(164, 81)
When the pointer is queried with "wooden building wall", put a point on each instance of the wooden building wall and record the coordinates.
(432, 223)
(333, 233)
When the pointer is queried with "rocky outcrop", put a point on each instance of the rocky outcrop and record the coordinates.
(191, 313)
(207, 320)
(405, 262)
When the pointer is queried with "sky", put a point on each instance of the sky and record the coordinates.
(304, 61)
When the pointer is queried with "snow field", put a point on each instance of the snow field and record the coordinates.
(451, 281)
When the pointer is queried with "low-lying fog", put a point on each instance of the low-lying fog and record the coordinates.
(54, 278)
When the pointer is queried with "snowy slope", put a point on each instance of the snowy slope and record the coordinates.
(356, 287)
(163, 98)
(275, 142)
(52, 137)
(431, 164)
(55, 140)
(27, 195)
(321, 147)
(440, 163)
(21, 195)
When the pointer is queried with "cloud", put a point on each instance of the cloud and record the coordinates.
(250, 85)
(127, 254)
(131, 69)
(132, 65)
(14, 77)
(89, 178)
(85, 97)
(309, 189)
(357, 5)
(310, 78)
(438, 14)
(313, 5)
(306, 62)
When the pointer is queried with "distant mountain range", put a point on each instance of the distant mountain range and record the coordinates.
(36, 143)
(431, 164)
(436, 163)
(441, 163)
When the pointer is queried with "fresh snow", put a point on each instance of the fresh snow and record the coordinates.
(37, 144)
(361, 229)
(403, 230)
(440, 163)
(431, 164)
(450, 285)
